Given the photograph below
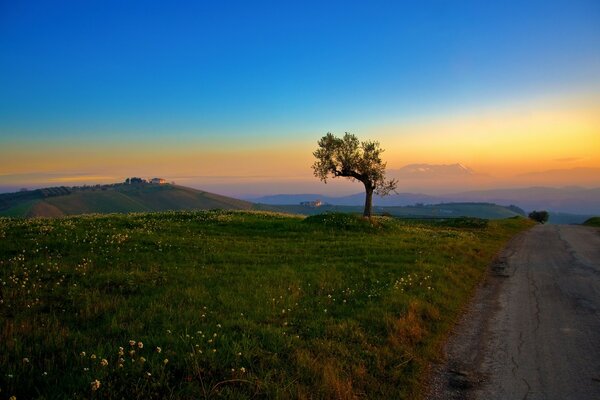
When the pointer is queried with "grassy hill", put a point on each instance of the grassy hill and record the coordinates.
(117, 198)
(445, 210)
(594, 221)
(232, 304)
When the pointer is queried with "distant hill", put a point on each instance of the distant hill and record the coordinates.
(577, 201)
(357, 199)
(594, 221)
(116, 198)
(573, 200)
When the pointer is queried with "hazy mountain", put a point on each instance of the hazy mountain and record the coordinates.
(428, 171)
(573, 200)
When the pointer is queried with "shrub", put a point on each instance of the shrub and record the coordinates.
(539, 216)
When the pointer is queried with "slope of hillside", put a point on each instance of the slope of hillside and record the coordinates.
(117, 198)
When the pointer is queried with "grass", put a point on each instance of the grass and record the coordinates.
(594, 221)
(448, 210)
(19, 209)
(231, 304)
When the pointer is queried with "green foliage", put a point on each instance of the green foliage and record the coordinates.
(347, 221)
(349, 158)
(594, 221)
(539, 216)
(239, 304)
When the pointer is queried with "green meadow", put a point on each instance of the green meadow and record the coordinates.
(233, 304)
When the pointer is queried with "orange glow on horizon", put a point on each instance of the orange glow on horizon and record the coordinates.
(500, 143)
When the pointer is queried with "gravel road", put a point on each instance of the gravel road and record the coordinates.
(533, 330)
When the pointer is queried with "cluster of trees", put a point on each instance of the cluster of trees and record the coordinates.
(135, 179)
(539, 216)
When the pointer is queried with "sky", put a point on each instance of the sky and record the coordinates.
(232, 96)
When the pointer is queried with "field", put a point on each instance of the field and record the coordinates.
(445, 210)
(232, 304)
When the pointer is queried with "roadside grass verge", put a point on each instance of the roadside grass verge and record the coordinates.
(229, 304)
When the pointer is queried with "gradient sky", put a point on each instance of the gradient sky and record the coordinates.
(232, 96)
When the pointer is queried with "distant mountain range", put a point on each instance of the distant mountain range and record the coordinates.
(573, 200)
(401, 199)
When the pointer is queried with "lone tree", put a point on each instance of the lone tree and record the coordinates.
(350, 158)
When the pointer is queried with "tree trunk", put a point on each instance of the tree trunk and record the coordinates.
(368, 201)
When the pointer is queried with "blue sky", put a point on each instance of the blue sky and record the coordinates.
(93, 72)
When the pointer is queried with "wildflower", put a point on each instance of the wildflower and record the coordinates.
(93, 356)
(45, 373)
(169, 331)
(25, 360)
(12, 398)
(148, 374)
(131, 353)
(142, 360)
(82, 354)
(104, 362)
(120, 365)
(86, 369)
(132, 342)
(243, 370)
(140, 345)
(121, 351)
(239, 354)
(165, 361)
(95, 385)
(158, 349)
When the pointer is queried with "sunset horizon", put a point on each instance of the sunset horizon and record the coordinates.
(506, 91)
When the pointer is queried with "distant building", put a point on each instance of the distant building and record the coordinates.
(316, 203)
(158, 181)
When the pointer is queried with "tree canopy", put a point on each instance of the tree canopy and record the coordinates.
(539, 216)
(350, 158)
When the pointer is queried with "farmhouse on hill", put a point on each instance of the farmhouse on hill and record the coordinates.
(316, 203)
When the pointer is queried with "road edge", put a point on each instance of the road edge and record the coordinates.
(459, 371)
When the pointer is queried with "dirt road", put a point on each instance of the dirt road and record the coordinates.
(533, 331)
